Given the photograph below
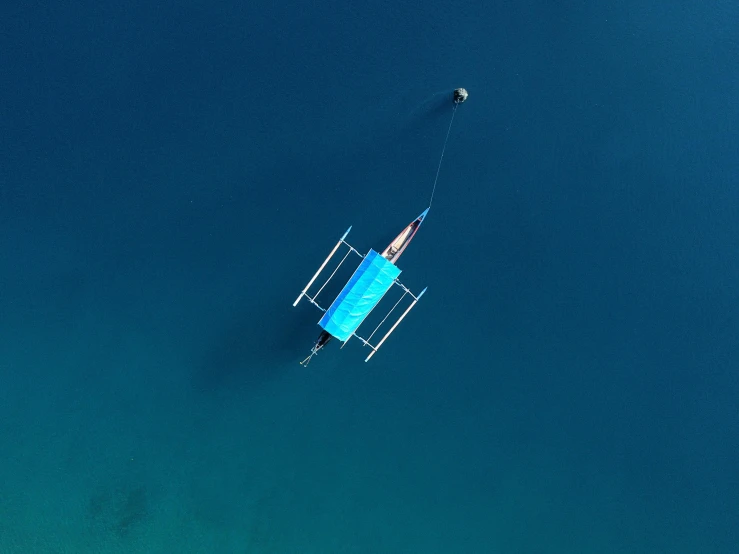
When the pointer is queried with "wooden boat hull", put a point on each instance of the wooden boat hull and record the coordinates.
(401, 242)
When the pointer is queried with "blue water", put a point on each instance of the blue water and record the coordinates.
(172, 174)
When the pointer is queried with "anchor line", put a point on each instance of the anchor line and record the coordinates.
(438, 169)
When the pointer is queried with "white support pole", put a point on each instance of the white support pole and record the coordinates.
(322, 266)
(405, 313)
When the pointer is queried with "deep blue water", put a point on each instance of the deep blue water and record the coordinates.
(170, 177)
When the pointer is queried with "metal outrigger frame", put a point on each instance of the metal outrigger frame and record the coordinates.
(313, 299)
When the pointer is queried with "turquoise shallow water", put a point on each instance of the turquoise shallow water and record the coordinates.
(170, 176)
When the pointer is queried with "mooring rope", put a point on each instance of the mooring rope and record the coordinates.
(433, 190)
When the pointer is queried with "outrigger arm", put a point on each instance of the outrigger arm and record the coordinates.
(331, 255)
(405, 313)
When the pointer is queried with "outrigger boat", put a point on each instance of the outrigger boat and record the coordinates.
(374, 277)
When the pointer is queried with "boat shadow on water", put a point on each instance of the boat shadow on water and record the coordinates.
(429, 111)
(249, 351)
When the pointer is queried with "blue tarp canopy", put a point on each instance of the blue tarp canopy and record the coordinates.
(372, 279)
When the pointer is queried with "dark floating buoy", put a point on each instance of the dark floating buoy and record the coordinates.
(460, 95)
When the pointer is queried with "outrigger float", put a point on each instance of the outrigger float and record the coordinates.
(376, 274)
